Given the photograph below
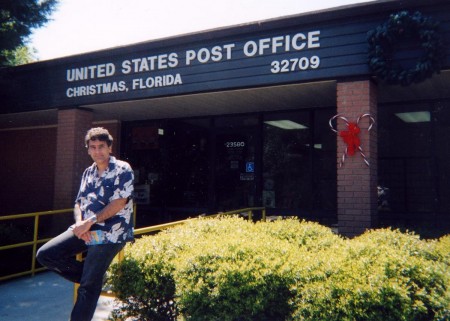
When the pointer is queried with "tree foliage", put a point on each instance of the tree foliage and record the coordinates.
(18, 18)
(20, 56)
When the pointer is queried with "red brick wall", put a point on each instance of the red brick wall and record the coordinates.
(356, 182)
(71, 157)
(27, 170)
(41, 168)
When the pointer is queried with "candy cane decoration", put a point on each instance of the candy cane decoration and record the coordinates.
(350, 136)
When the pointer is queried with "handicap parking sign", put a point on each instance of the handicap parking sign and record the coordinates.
(250, 167)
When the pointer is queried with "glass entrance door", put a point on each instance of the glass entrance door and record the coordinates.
(236, 164)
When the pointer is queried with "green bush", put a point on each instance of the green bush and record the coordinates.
(382, 275)
(146, 288)
(230, 269)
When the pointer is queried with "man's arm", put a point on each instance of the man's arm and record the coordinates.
(77, 213)
(111, 209)
(81, 229)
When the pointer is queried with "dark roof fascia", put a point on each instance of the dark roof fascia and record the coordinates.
(313, 17)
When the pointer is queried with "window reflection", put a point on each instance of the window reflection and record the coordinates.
(408, 161)
(285, 161)
(299, 157)
(287, 154)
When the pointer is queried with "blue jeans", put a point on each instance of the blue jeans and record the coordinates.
(58, 255)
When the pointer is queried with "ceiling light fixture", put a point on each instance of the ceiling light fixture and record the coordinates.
(415, 116)
(285, 124)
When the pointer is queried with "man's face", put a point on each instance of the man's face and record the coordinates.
(99, 151)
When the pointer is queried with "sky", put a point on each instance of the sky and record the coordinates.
(80, 26)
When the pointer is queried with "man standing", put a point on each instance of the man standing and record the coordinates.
(103, 224)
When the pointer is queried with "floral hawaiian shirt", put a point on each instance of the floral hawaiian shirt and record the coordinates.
(97, 192)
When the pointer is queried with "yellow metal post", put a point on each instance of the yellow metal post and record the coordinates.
(134, 214)
(121, 255)
(35, 238)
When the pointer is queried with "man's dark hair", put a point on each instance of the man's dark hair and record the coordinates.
(98, 133)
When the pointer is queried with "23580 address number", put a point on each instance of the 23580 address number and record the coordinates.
(294, 64)
(234, 144)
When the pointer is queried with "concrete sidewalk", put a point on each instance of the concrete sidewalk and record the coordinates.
(44, 297)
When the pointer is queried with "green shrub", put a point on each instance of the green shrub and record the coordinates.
(382, 275)
(230, 269)
(230, 279)
(146, 288)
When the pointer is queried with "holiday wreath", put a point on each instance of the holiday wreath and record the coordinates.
(383, 43)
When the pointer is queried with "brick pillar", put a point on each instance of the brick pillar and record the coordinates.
(356, 182)
(71, 155)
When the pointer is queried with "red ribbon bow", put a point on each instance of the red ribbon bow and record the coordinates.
(350, 136)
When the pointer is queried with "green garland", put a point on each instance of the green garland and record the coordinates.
(402, 25)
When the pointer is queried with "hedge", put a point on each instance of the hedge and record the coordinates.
(230, 269)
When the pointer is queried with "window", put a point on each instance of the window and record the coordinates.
(285, 161)
(299, 157)
(408, 161)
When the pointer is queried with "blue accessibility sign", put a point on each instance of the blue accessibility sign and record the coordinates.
(250, 167)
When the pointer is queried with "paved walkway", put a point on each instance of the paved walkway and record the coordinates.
(44, 297)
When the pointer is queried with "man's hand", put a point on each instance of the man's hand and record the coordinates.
(81, 230)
